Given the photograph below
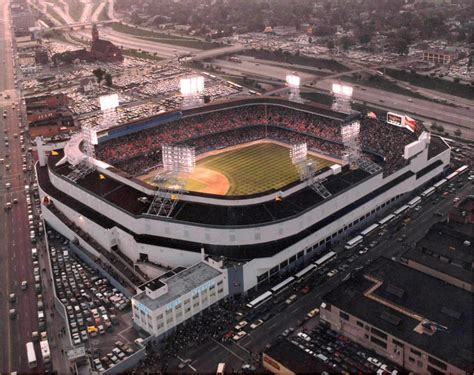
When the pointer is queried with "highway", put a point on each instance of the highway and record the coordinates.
(205, 357)
(15, 247)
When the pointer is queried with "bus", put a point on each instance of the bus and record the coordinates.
(30, 353)
(401, 210)
(387, 219)
(282, 286)
(260, 300)
(367, 231)
(462, 169)
(235, 85)
(325, 259)
(415, 201)
(220, 368)
(45, 352)
(440, 183)
(354, 242)
(451, 176)
(305, 272)
(428, 192)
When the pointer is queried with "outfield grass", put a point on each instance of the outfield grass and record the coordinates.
(256, 168)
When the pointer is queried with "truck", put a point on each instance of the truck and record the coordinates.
(45, 352)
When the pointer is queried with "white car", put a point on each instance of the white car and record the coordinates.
(241, 325)
(304, 336)
(331, 273)
(374, 361)
(256, 324)
(239, 335)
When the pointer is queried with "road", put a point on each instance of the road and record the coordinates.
(15, 247)
(205, 357)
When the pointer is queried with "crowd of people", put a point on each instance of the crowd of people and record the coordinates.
(138, 152)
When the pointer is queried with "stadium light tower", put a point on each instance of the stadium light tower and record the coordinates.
(108, 104)
(191, 91)
(343, 97)
(178, 163)
(350, 138)
(293, 82)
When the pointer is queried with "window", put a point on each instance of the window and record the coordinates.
(283, 264)
(398, 343)
(381, 343)
(437, 363)
(262, 277)
(411, 359)
(300, 254)
(343, 315)
(378, 333)
(274, 270)
(188, 309)
(159, 317)
(220, 282)
(415, 352)
(293, 258)
(359, 323)
(433, 370)
(219, 291)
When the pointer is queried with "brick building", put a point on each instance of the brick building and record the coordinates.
(417, 321)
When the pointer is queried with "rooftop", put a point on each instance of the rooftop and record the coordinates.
(443, 250)
(417, 296)
(295, 359)
(180, 284)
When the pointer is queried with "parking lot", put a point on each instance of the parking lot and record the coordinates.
(98, 314)
(339, 352)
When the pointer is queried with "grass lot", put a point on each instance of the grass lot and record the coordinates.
(75, 9)
(160, 37)
(329, 64)
(256, 168)
(433, 83)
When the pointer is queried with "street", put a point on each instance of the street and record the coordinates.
(205, 357)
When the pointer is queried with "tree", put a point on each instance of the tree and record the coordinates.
(346, 42)
(458, 132)
(330, 44)
(99, 74)
(108, 79)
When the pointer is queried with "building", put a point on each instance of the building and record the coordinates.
(41, 56)
(446, 252)
(263, 237)
(171, 299)
(440, 56)
(87, 85)
(463, 212)
(285, 358)
(417, 321)
(104, 50)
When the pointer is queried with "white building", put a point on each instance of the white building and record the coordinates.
(170, 299)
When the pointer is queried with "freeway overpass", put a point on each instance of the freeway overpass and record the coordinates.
(77, 25)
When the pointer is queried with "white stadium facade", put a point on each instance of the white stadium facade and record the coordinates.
(255, 238)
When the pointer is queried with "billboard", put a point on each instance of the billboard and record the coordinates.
(108, 102)
(395, 119)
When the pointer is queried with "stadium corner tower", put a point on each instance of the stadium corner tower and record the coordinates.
(102, 202)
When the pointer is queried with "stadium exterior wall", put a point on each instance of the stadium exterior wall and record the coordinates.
(240, 235)
(257, 266)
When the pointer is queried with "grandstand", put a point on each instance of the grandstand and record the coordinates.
(266, 226)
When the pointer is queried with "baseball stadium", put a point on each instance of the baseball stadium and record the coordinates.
(244, 201)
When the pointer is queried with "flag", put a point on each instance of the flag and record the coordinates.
(54, 153)
(101, 177)
(371, 115)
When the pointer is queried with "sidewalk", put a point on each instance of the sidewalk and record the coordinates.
(56, 326)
